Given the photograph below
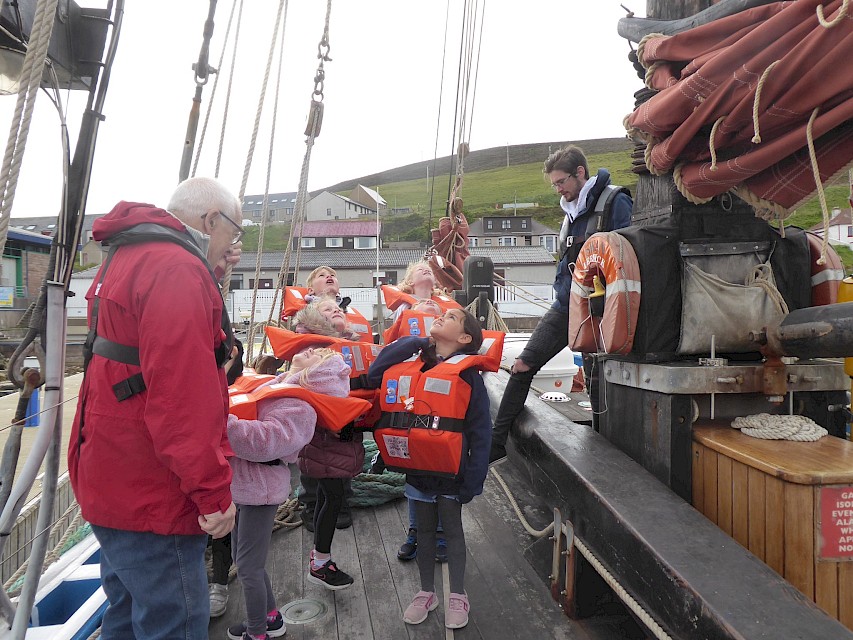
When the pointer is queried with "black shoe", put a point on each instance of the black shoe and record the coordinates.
(409, 550)
(344, 520)
(329, 576)
(307, 516)
(498, 452)
(440, 549)
(275, 628)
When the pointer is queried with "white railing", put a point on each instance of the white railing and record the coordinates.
(511, 301)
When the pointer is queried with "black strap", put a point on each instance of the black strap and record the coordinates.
(407, 420)
(129, 387)
(359, 382)
(271, 463)
(115, 351)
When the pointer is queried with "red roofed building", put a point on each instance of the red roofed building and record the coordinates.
(341, 234)
(840, 227)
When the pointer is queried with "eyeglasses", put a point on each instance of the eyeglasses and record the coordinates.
(238, 233)
(559, 183)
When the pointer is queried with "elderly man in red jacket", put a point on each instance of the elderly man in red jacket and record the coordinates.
(147, 456)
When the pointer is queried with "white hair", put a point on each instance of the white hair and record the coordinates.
(196, 196)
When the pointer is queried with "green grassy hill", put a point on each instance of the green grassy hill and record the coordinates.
(488, 184)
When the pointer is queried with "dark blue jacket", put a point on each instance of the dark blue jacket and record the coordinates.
(477, 432)
(620, 217)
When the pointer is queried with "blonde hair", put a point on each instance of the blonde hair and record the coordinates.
(314, 273)
(309, 320)
(325, 354)
(406, 285)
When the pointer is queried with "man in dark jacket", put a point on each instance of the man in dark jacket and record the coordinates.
(591, 204)
(147, 456)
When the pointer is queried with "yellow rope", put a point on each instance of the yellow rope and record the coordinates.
(820, 192)
(842, 13)
(757, 137)
(711, 146)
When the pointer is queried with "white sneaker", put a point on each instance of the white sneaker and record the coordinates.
(218, 599)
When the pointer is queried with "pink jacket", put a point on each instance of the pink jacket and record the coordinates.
(284, 426)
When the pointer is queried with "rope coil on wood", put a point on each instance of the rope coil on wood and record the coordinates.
(780, 427)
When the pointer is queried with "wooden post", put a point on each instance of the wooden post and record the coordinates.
(672, 9)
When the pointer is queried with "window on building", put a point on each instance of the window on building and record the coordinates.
(334, 242)
(263, 283)
(487, 241)
(850, 231)
(308, 243)
(364, 242)
(549, 242)
(488, 224)
(506, 224)
(507, 241)
(257, 213)
(329, 212)
(524, 223)
(472, 242)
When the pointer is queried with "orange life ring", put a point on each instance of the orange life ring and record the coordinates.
(611, 257)
(826, 278)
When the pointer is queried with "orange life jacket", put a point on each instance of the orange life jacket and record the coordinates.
(247, 382)
(294, 300)
(333, 413)
(425, 410)
(409, 323)
(358, 355)
(394, 298)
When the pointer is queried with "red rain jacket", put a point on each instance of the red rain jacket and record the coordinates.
(155, 461)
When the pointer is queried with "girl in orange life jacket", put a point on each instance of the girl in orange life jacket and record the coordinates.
(261, 480)
(323, 317)
(456, 332)
(331, 458)
(419, 283)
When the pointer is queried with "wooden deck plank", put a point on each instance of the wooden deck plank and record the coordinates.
(326, 628)
(799, 537)
(740, 503)
(352, 613)
(757, 505)
(724, 494)
(774, 533)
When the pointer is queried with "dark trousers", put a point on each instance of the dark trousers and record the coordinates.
(308, 492)
(220, 552)
(330, 498)
(549, 337)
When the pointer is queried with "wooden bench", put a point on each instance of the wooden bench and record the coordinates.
(685, 571)
(777, 498)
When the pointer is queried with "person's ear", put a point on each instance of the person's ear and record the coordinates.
(210, 221)
(465, 338)
(310, 291)
(581, 173)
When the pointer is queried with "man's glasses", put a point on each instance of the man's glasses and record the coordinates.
(559, 183)
(238, 230)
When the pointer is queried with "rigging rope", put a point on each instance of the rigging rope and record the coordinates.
(312, 130)
(216, 84)
(31, 74)
(265, 208)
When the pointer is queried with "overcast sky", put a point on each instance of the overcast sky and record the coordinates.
(549, 70)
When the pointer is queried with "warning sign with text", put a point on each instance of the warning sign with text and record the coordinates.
(836, 523)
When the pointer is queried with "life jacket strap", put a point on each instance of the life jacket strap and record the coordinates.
(407, 420)
(115, 351)
(129, 387)
(359, 382)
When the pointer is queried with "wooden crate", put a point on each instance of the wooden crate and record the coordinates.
(767, 495)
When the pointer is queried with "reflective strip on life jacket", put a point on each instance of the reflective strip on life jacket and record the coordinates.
(247, 382)
(826, 278)
(333, 413)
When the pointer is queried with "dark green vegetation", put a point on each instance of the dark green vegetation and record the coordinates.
(488, 184)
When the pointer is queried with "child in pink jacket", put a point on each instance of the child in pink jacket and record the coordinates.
(261, 479)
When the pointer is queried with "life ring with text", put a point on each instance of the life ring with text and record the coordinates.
(611, 257)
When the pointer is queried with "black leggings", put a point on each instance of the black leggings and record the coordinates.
(330, 498)
(449, 511)
(220, 550)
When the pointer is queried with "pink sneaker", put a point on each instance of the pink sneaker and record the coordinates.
(456, 616)
(422, 604)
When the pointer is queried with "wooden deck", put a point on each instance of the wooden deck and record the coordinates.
(505, 578)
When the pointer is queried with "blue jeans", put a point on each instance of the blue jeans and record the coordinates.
(156, 585)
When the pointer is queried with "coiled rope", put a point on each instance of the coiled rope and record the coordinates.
(780, 427)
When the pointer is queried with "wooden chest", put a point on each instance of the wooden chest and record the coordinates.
(789, 503)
